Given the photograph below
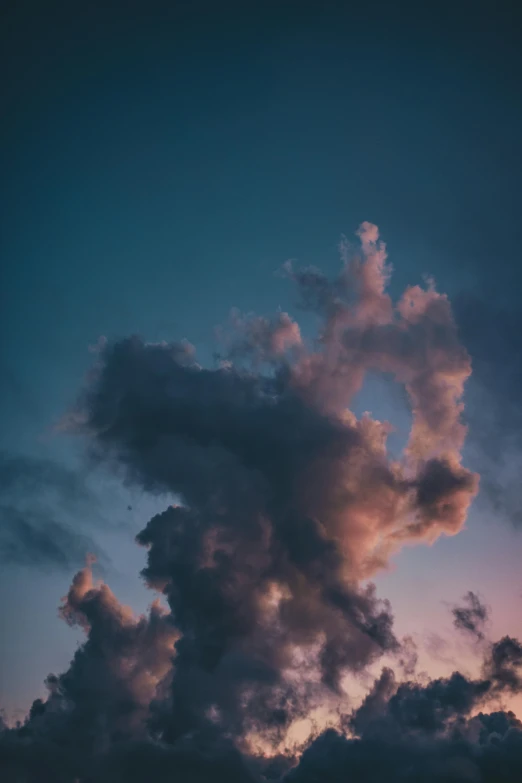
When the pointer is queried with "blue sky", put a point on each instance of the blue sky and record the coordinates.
(160, 166)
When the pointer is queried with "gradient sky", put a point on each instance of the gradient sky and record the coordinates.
(160, 165)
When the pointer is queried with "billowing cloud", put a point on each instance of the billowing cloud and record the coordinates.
(412, 731)
(105, 719)
(483, 749)
(153, 407)
(103, 698)
(288, 504)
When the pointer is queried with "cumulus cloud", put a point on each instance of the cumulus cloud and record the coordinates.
(412, 731)
(288, 504)
(448, 757)
(103, 698)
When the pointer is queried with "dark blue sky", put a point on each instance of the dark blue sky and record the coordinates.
(161, 161)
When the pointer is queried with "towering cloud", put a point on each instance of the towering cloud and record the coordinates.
(287, 505)
(103, 698)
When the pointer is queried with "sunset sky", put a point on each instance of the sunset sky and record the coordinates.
(169, 171)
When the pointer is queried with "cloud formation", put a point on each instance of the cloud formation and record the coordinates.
(41, 501)
(472, 616)
(432, 732)
(493, 337)
(107, 717)
(288, 504)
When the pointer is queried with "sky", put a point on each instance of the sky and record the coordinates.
(163, 164)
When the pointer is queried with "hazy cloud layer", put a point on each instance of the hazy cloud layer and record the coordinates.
(493, 337)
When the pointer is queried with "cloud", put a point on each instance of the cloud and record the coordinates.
(31, 538)
(167, 419)
(39, 498)
(493, 338)
(288, 499)
(94, 725)
(472, 616)
(28, 474)
(408, 657)
(504, 664)
(451, 757)
(431, 732)
(288, 504)
(104, 697)
(260, 339)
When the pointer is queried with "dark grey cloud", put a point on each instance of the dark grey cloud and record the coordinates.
(503, 664)
(402, 732)
(471, 616)
(288, 501)
(103, 699)
(408, 657)
(405, 732)
(452, 758)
